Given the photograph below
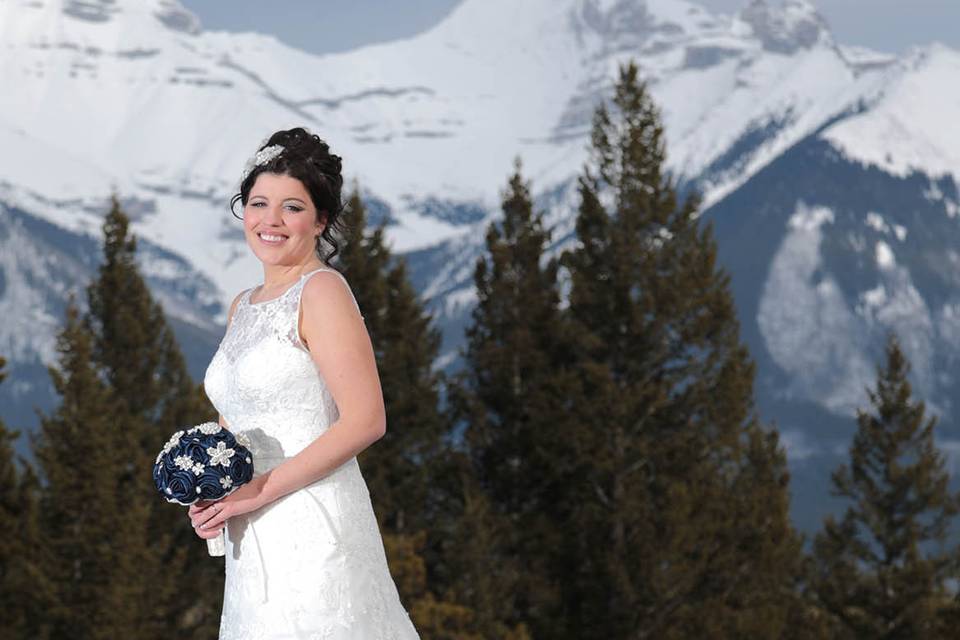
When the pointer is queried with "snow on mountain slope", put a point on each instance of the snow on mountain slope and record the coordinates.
(439, 115)
(133, 96)
(442, 113)
(829, 172)
(815, 334)
(911, 124)
(827, 256)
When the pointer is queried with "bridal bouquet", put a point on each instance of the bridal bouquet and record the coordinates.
(206, 462)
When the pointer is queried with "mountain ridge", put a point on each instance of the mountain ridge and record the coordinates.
(759, 108)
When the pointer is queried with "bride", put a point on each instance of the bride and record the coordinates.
(296, 373)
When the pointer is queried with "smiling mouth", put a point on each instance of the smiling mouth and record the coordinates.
(271, 238)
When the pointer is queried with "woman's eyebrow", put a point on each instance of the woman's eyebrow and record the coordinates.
(285, 199)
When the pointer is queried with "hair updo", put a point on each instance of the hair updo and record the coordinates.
(308, 159)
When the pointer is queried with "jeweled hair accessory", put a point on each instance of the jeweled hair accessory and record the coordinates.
(261, 158)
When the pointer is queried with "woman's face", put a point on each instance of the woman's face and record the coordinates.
(279, 220)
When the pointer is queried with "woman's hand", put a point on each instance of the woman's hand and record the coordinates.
(200, 515)
(209, 516)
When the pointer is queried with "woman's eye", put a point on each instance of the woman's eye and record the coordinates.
(293, 208)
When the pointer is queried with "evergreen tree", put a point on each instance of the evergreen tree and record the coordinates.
(24, 591)
(682, 529)
(135, 348)
(882, 570)
(101, 561)
(510, 397)
(435, 618)
(364, 259)
(397, 468)
(403, 469)
(482, 550)
(514, 347)
(124, 390)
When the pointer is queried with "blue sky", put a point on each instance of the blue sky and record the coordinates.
(885, 25)
(323, 26)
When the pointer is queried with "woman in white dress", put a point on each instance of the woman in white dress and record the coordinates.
(296, 373)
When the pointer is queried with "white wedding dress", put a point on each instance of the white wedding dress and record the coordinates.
(311, 564)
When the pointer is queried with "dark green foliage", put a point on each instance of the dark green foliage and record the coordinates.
(434, 619)
(101, 561)
(125, 562)
(683, 528)
(510, 397)
(364, 260)
(397, 468)
(136, 350)
(135, 346)
(514, 347)
(489, 577)
(882, 570)
(24, 590)
(402, 469)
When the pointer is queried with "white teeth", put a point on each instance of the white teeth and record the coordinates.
(271, 238)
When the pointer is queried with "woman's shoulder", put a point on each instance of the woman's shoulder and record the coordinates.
(328, 289)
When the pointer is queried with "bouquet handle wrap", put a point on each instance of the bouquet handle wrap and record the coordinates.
(216, 546)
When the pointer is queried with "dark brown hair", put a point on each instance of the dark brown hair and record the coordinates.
(308, 159)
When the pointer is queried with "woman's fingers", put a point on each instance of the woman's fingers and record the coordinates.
(196, 515)
(213, 517)
(205, 530)
(197, 507)
(206, 518)
(201, 515)
(206, 534)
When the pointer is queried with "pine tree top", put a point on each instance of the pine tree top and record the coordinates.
(882, 570)
(897, 476)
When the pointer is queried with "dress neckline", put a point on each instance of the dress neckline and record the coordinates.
(285, 291)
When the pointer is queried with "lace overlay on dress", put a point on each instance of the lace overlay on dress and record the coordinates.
(311, 564)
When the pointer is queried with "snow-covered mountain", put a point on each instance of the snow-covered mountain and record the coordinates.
(830, 172)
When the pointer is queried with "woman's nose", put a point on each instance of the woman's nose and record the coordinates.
(273, 215)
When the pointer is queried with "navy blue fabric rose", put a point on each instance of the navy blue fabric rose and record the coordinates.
(206, 462)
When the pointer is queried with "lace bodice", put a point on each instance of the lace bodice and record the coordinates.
(263, 381)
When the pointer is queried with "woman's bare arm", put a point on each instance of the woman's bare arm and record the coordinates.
(337, 338)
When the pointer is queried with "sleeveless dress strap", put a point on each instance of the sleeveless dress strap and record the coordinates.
(296, 315)
(307, 276)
